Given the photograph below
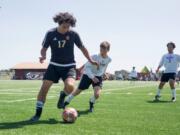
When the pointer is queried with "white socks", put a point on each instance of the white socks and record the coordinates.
(158, 92)
(69, 98)
(174, 92)
(92, 99)
(39, 104)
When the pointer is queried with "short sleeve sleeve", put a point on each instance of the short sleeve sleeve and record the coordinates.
(46, 41)
(94, 57)
(178, 58)
(78, 40)
(110, 60)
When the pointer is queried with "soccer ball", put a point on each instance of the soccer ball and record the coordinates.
(69, 115)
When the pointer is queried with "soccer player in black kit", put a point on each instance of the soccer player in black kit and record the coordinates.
(62, 65)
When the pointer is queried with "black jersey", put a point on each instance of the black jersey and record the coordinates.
(62, 46)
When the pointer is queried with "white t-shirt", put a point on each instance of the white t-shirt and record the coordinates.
(170, 62)
(133, 74)
(91, 70)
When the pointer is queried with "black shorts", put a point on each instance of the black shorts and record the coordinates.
(55, 73)
(134, 78)
(85, 82)
(167, 76)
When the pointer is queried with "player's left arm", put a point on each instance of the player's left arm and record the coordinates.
(45, 46)
(105, 76)
(86, 54)
(178, 58)
(84, 50)
(160, 64)
(43, 54)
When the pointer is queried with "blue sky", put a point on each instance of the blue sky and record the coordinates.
(137, 29)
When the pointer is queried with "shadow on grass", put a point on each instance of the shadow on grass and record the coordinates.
(161, 101)
(83, 112)
(21, 124)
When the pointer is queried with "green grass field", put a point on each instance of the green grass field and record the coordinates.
(123, 109)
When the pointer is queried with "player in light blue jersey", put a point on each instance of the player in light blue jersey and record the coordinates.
(171, 62)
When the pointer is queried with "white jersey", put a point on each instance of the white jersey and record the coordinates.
(170, 62)
(91, 70)
(133, 74)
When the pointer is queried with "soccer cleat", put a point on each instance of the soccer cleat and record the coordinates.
(60, 103)
(65, 104)
(34, 118)
(173, 99)
(157, 98)
(91, 107)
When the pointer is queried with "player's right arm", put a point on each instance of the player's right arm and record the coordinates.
(45, 46)
(161, 63)
(43, 55)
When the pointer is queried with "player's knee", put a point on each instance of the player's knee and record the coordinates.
(69, 87)
(171, 82)
(161, 85)
(97, 95)
(97, 92)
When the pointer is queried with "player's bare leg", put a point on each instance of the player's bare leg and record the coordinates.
(97, 91)
(41, 98)
(71, 96)
(68, 88)
(158, 95)
(173, 89)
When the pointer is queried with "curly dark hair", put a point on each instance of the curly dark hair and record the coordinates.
(65, 18)
(171, 43)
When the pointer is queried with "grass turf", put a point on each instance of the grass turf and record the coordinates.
(123, 109)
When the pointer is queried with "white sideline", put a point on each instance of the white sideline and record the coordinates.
(21, 100)
(34, 92)
(22, 89)
(105, 91)
(124, 88)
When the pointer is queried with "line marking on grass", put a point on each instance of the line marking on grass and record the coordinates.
(129, 93)
(150, 93)
(105, 91)
(124, 88)
(25, 88)
(21, 100)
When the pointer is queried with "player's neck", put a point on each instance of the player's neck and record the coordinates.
(59, 30)
(104, 55)
(170, 52)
